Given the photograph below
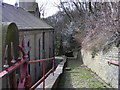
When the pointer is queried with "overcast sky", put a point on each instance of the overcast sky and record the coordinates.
(50, 7)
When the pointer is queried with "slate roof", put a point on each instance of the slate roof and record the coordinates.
(23, 19)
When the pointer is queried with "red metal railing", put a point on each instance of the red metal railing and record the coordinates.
(44, 74)
(23, 63)
(109, 62)
(24, 81)
(12, 68)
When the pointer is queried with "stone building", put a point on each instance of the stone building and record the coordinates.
(36, 34)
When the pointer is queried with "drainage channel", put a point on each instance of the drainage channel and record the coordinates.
(77, 75)
(71, 74)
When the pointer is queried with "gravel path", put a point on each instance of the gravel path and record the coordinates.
(77, 75)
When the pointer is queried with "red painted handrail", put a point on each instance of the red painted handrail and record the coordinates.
(44, 75)
(12, 68)
(109, 62)
(42, 60)
(23, 61)
(24, 81)
(36, 84)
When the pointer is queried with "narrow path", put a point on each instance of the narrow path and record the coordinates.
(79, 77)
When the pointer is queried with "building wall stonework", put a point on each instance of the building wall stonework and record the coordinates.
(47, 44)
(38, 47)
(99, 65)
(35, 38)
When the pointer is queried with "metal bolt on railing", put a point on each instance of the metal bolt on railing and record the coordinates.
(5, 66)
(13, 61)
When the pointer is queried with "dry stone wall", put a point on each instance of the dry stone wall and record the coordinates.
(99, 65)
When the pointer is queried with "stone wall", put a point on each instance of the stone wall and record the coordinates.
(99, 65)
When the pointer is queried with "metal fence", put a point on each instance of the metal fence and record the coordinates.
(22, 65)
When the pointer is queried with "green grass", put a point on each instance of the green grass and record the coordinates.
(79, 77)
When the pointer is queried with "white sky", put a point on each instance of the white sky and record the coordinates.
(50, 7)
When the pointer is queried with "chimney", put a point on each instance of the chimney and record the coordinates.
(16, 4)
(31, 6)
(26, 4)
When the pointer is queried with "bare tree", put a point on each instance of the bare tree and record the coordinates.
(42, 9)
